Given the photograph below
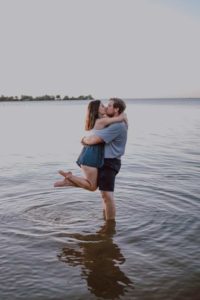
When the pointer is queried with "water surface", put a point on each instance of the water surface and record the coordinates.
(55, 243)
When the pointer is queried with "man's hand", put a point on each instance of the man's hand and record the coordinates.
(126, 119)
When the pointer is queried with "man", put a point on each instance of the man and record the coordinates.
(115, 137)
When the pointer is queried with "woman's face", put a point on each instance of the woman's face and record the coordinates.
(102, 109)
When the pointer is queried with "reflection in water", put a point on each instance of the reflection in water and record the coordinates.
(99, 259)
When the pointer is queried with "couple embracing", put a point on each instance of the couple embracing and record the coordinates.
(100, 158)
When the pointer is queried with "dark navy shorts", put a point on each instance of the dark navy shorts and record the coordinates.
(107, 173)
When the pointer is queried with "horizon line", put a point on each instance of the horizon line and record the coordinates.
(94, 98)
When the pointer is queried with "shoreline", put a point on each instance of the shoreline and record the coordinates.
(87, 99)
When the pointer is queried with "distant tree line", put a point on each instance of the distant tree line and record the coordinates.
(43, 98)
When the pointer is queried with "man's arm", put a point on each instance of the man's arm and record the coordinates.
(91, 140)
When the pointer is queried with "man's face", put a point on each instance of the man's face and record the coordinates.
(111, 111)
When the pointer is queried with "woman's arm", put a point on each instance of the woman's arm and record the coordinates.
(103, 122)
(91, 140)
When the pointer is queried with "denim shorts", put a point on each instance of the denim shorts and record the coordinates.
(92, 156)
(107, 174)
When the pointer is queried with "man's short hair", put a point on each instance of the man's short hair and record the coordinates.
(119, 103)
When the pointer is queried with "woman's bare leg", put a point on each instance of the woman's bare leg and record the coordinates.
(88, 183)
(64, 182)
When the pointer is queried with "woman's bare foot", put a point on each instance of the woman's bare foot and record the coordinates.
(62, 183)
(65, 174)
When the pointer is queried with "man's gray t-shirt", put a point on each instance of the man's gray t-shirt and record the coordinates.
(115, 137)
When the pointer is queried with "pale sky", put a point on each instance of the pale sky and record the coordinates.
(123, 48)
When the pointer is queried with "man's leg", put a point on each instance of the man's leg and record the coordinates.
(109, 204)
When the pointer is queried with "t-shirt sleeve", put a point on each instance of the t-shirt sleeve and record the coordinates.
(109, 133)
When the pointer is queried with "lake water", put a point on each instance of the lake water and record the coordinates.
(50, 245)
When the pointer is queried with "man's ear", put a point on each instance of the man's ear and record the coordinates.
(117, 109)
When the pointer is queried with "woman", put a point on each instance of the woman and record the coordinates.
(91, 157)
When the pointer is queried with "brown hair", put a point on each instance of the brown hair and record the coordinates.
(92, 114)
(118, 103)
